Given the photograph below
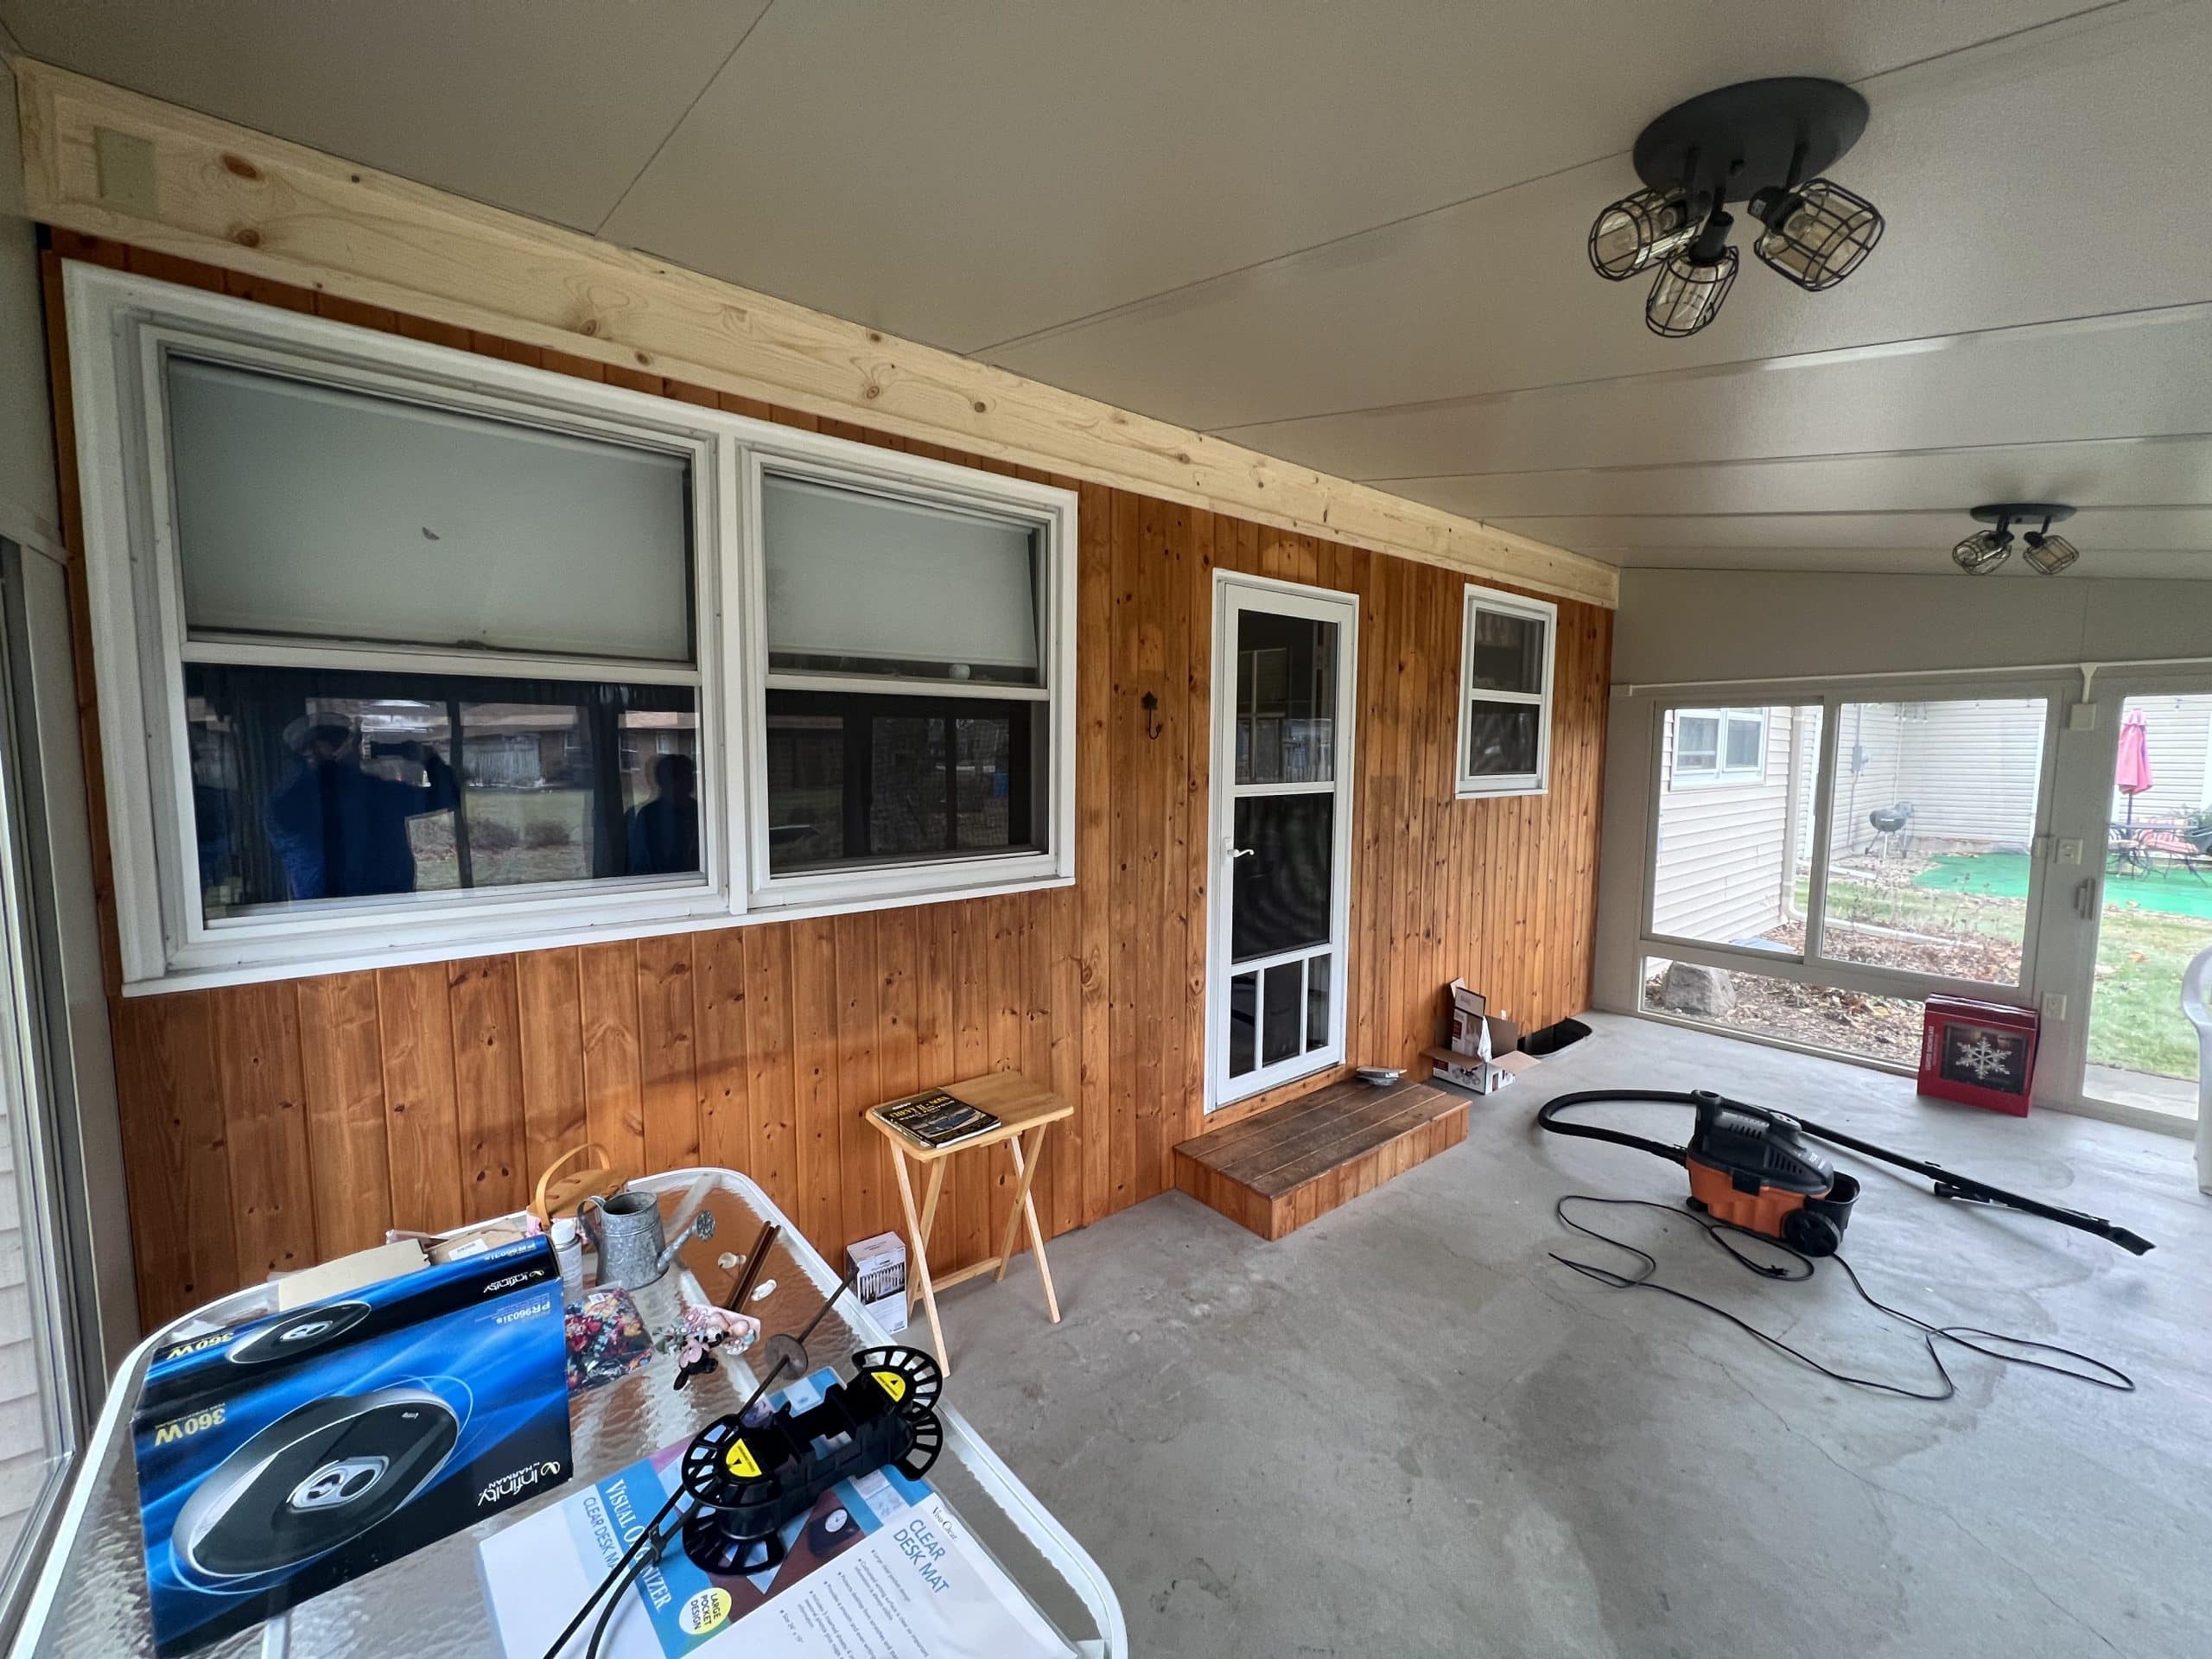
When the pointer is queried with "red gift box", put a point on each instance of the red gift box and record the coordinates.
(1980, 1053)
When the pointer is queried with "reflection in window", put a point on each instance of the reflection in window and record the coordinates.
(862, 778)
(1501, 739)
(1286, 699)
(310, 785)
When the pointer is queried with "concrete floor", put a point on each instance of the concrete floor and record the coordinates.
(1403, 1430)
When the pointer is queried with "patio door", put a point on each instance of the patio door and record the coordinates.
(1279, 894)
(2147, 912)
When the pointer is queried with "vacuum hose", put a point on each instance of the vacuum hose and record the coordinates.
(1708, 1103)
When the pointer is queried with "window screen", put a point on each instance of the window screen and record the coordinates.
(309, 510)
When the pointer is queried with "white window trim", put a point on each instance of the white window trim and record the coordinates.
(1052, 514)
(118, 325)
(1537, 782)
(1719, 774)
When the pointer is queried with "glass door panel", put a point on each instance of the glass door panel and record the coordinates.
(2157, 910)
(1281, 811)
(1936, 808)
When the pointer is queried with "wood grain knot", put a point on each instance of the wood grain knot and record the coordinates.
(241, 167)
(246, 237)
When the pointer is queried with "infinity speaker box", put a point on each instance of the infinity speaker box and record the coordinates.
(283, 1456)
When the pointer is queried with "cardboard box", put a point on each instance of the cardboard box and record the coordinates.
(1482, 1077)
(1473, 1021)
(879, 1266)
(287, 1454)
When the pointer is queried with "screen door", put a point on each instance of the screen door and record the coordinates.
(1283, 691)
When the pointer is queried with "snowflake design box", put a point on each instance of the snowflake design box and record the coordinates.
(1980, 1053)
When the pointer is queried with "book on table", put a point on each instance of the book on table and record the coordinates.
(936, 1120)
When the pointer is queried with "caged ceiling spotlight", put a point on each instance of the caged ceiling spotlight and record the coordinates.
(1752, 142)
(2043, 553)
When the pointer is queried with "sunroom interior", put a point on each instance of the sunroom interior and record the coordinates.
(1044, 730)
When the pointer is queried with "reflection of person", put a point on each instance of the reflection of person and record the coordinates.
(339, 832)
(665, 832)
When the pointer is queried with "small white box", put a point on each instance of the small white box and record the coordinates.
(879, 1266)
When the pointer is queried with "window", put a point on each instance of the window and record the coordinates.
(906, 684)
(1505, 678)
(403, 652)
(1718, 746)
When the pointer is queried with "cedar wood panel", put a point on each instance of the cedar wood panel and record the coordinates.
(268, 1126)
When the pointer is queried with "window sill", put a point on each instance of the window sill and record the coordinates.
(1490, 789)
(210, 967)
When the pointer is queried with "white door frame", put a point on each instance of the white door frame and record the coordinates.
(1233, 591)
(2073, 908)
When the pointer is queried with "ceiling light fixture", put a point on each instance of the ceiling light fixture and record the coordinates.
(2043, 553)
(1752, 142)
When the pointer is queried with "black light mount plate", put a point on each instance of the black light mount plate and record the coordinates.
(1741, 138)
(2021, 512)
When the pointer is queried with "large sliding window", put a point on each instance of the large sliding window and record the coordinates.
(403, 651)
(1817, 867)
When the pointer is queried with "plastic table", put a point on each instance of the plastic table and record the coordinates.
(90, 1594)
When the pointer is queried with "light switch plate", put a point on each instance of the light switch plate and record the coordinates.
(2069, 850)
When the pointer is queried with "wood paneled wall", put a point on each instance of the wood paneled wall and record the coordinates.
(268, 1126)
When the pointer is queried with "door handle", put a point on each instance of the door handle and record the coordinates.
(2085, 900)
(1236, 852)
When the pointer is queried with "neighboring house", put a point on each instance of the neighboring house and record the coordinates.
(2178, 732)
(1735, 796)
(1738, 787)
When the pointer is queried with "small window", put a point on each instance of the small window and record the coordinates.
(1505, 703)
(1718, 746)
(909, 699)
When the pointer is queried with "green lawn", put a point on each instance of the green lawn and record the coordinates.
(2135, 1018)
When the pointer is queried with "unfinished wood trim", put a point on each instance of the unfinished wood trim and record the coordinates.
(258, 205)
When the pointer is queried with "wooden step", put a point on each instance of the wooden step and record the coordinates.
(1277, 1171)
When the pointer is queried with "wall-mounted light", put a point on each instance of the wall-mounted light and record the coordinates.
(1754, 141)
(2043, 553)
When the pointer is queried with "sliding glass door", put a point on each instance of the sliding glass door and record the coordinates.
(1818, 866)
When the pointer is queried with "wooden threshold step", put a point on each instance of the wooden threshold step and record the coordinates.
(1277, 1171)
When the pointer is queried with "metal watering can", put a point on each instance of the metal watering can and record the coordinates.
(626, 1233)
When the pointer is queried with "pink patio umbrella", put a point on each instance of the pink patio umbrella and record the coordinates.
(2132, 776)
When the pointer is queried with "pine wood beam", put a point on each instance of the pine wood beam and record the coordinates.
(108, 162)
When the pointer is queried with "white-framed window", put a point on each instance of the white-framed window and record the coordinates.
(1506, 647)
(403, 652)
(1718, 746)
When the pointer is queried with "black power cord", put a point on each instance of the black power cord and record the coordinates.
(1797, 1267)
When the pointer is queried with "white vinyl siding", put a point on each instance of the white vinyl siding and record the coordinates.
(1724, 868)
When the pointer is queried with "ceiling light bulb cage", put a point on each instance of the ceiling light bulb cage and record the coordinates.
(1688, 293)
(1983, 551)
(2046, 554)
(1817, 234)
(1755, 142)
(2043, 553)
(1641, 230)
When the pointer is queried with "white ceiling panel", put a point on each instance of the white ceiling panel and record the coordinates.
(1999, 171)
(2097, 562)
(2146, 528)
(969, 171)
(549, 107)
(2124, 377)
(2104, 473)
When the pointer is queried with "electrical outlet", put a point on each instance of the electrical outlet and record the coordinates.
(2053, 1005)
(2069, 850)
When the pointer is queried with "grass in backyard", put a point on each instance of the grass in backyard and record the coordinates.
(2135, 1018)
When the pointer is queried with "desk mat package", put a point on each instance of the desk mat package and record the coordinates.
(280, 1457)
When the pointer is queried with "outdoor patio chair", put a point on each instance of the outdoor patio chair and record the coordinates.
(2124, 849)
(2177, 850)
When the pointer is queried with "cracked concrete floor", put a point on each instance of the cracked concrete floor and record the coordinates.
(1404, 1430)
